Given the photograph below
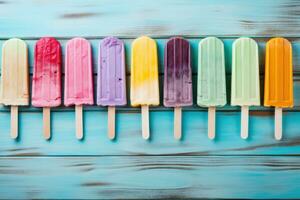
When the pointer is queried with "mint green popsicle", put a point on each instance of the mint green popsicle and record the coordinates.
(211, 73)
(245, 73)
(245, 79)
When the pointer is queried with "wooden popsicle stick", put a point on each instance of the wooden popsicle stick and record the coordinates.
(145, 122)
(46, 123)
(211, 122)
(14, 121)
(111, 122)
(177, 123)
(79, 122)
(278, 123)
(244, 122)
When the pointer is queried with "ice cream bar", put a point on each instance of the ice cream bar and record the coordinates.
(177, 79)
(278, 79)
(279, 74)
(245, 73)
(46, 81)
(211, 78)
(211, 73)
(78, 78)
(14, 79)
(111, 87)
(177, 73)
(245, 78)
(144, 72)
(78, 73)
(144, 77)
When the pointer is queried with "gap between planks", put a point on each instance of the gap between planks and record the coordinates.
(129, 109)
(94, 37)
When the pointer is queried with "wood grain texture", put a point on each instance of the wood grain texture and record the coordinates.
(131, 18)
(150, 177)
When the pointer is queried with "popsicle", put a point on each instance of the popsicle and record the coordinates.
(14, 79)
(245, 78)
(279, 79)
(111, 82)
(46, 81)
(211, 78)
(177, 79)
(144, 78)
(78, 78)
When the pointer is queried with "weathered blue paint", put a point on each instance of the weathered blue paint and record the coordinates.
(130, 18)
(153, 177)
(130, 167)
(130, 142)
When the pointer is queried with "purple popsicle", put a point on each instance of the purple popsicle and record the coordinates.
(178, 73)
(111, 83)
(177, 79)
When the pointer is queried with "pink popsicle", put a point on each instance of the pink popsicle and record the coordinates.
(78, 73)
(78, 78)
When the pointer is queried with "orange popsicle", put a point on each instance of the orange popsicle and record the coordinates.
(278, 79)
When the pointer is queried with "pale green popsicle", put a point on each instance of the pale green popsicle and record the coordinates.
(211, 73)
(245, 73)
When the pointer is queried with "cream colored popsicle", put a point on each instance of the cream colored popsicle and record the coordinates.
(144, 78)
(14, 79)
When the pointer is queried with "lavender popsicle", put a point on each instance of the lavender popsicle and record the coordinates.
(111, 82)
(177, 79)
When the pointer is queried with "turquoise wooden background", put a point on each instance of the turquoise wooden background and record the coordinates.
(131, 167)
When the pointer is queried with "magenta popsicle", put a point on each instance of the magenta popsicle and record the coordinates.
(46, 81)
(177, 78)
(78, 78)
(111, 87)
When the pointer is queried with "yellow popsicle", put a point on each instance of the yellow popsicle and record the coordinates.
(144, 72)
(144, 78)
(14, 75)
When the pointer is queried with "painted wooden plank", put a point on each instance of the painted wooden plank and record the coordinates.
(161, 44)
(129, 141)
(132, 18)
(150, 177)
